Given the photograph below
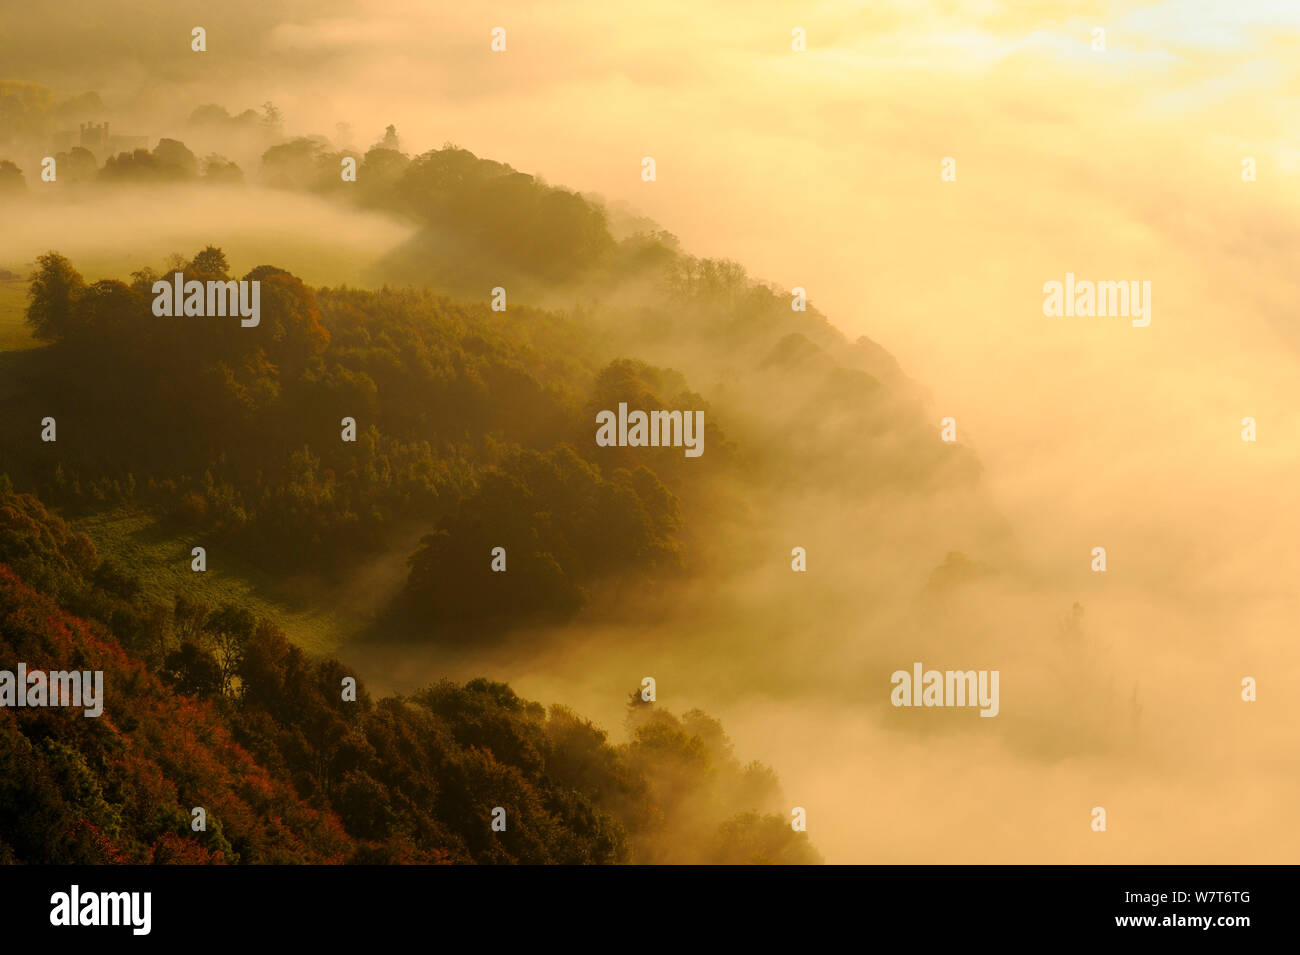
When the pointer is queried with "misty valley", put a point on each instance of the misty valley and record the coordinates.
(370, 498)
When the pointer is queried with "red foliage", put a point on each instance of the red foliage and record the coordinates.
(176, 754)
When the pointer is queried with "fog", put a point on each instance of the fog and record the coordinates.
(821, 169)
(112, 232)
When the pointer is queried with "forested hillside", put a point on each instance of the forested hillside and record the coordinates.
(212, 708)
(348, 422)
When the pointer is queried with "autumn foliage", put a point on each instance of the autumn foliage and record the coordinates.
(214, 708)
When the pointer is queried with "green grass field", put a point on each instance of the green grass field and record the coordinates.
(14, 334)
(136, 542)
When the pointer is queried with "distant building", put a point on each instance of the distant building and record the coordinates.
(97, 138)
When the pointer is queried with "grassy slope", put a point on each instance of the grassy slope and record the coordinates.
(14, 334)
(137, 543)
